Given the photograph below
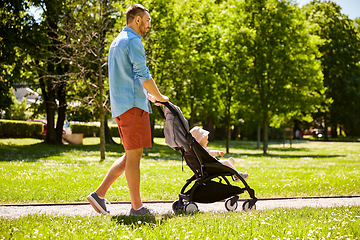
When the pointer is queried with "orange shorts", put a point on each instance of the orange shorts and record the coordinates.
(134, 128)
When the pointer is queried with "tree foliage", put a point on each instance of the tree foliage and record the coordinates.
(82, 45)
(284, 78)
(16, 26)
(340, 65)
(226, 64)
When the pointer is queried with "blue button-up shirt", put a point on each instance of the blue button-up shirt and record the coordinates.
(127, 72)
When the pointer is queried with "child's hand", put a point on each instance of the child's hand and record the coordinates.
(221, 153)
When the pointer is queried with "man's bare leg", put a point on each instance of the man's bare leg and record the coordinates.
(130, 163)
(132, 174)
(114, 173)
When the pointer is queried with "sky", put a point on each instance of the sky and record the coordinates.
(348, 7)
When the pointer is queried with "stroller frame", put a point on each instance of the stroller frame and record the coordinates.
(206, 169)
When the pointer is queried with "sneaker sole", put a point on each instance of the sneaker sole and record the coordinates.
(96, 206)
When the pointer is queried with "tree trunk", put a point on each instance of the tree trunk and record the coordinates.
(48, 86)
(209, 125)
(50, 105)
(284, 141)
(334, 129)
(258, 136)
(235, 133)
(227, 136)
(50, 118)
(102, 135)
(100, 53)
(152, 127)
(265, 137)
(291, 137)
(102, 115)
(61, 93)
(326, 137)
(227, 127)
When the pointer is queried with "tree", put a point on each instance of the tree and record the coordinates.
(179, 51)
(42, 54)
(357, 24)
(284, 77)
(161, 44)
(231, 62)
(340, 65)
(15, 26)
(83, 46)
(5, 95)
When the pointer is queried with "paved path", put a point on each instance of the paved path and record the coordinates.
(84, 209)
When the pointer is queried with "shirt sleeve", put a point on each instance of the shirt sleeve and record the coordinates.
(138, 60)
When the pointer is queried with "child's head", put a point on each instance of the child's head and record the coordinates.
(200, 135)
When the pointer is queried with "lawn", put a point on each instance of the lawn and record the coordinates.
(306, 223)
(34, 172)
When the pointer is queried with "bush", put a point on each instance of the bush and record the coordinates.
(159, 132)
(88, 129)
(17, 110)
(92, 129)
(20, 129)
(114, 131)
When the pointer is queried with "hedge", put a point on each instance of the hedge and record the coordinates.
(20, 129)
(92, 129)
(24, 129)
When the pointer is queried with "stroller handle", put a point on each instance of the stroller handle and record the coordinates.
(168, 105)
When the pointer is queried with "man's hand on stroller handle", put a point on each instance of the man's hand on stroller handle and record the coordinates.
(153, 91)
(156, 101)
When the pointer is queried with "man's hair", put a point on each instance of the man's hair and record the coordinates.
(135, 10)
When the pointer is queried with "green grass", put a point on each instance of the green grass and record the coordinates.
(305, 223)
(34, 172)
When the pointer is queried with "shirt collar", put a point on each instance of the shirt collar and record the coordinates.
(129, 29)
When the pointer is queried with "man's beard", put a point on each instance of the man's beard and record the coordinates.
(143, 29)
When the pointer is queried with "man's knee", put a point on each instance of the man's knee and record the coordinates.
(134, 154)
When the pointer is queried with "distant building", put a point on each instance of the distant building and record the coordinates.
(30, 95)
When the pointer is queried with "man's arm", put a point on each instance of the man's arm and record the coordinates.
(151, 87)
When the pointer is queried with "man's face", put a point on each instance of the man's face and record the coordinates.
(144, 24)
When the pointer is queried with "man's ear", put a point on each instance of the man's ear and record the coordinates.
(137, 19)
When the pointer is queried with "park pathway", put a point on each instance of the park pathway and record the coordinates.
(165, 207)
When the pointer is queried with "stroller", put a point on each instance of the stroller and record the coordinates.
(209, 182)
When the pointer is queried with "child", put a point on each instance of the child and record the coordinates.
(201, 136)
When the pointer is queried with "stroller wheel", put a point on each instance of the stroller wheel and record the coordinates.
(231, 206)
(191, 207)
(249, 205)
(177, 206)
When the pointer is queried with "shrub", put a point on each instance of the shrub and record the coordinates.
(20, 129)
(114, 131)
(88, 129)
(92, 129)
(17, 110)
(159, 132)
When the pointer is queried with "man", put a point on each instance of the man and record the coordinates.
(131, 87)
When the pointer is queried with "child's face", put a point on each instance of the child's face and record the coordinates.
(204, 141)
